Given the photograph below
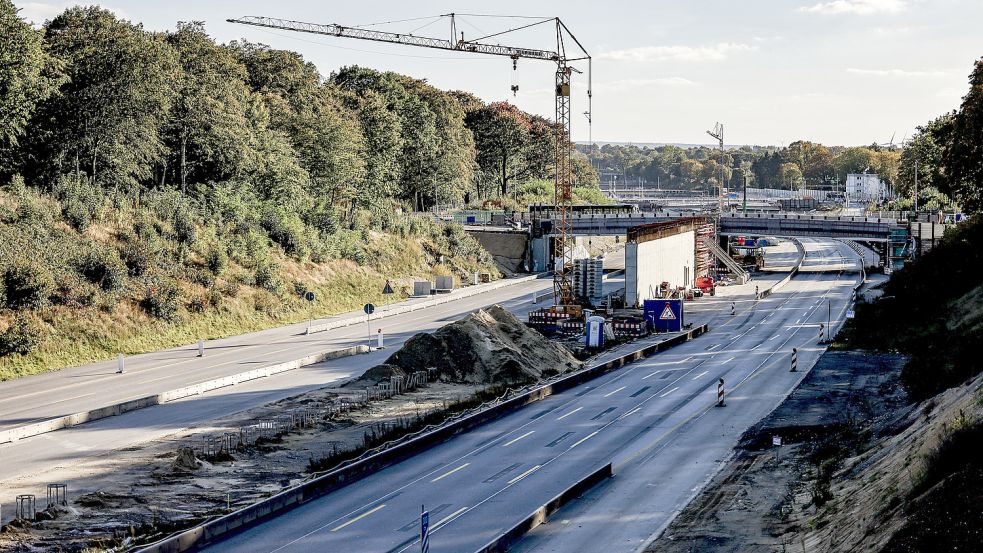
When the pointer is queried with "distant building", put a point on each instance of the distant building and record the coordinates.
(867, 187)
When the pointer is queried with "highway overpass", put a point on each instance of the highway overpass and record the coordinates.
(871, 229)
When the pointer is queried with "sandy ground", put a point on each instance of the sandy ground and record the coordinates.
(127, 490)
(764, 496)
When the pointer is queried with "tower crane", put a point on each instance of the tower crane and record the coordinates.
(563, 243)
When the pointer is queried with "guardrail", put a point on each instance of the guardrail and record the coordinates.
(50, 425)
(286, 500)
(788, 278)
(502, 543)
(438, 300)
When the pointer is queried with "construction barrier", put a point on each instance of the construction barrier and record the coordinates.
(504, 541)
(240, 520)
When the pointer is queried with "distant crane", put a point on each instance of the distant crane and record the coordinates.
(563, 181)
(718, 133)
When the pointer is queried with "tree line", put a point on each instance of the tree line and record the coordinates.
(801, 164)
(101, 99)
(947, 152)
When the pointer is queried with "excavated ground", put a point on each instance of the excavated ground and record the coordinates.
(846, 477)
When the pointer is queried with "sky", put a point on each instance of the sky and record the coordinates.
(839, 72)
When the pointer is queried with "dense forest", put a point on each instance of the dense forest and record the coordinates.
(158, 187)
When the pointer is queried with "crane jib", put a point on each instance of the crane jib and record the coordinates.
(396, 38)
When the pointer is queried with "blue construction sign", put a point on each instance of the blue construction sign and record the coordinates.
(663, 315)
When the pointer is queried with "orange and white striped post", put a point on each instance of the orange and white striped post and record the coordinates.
(720, 392)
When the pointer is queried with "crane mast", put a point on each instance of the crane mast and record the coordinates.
(563, 181)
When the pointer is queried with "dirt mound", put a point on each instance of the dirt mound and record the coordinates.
(185, 460)
(487, 347)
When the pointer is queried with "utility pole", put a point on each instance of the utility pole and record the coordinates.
(916, 188)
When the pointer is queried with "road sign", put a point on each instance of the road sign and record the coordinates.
(387, 289)
(369, 309)
(663, 315)
(309, 296)
(425, 532)
(667, 314)
(776, 440)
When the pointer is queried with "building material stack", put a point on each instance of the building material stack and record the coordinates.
(704, 258)
(588, 277)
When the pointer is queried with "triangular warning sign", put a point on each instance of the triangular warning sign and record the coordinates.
(388, 289)
(667, 314)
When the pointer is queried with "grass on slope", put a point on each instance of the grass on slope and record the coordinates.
(133, 280)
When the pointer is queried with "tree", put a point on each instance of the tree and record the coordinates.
(208, 116)
(29, 75)
(854, 160)
(964, 156)
(108, 117)
(792, 176)
(926, 150)
(501, 133)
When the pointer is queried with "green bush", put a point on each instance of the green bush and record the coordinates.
(215, 298)
(141, 255)
(22, 337)
(230, 289)
(201, 277)
(80, 201)
(103, 267)
(287, 230)
(184, 226)
(72, 291)
(160, 299)
(197, 304)
(27, 285)
(216, 260)
(268, 278)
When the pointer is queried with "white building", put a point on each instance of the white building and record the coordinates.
(867, 187)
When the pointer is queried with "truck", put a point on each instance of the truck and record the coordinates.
(706, 285)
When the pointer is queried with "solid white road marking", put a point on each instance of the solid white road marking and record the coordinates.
(507, 444)
(584, 439)
(524, 474)
(670, 391)
(570, 413)
(446, 474)
(614, 392)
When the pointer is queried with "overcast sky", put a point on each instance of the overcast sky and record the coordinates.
(844, 72)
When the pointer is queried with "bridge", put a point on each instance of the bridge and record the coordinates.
(868, 229)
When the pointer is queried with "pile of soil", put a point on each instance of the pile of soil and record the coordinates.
(487, 347)
(185, 461)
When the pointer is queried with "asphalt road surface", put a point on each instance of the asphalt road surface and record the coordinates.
(655, 419)
(79, 389)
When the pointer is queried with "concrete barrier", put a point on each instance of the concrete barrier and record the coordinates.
(438, 300)
(503, 542)
(222, 527)
(795, 270)
(50, 425)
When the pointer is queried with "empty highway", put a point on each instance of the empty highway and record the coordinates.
(655, 419)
